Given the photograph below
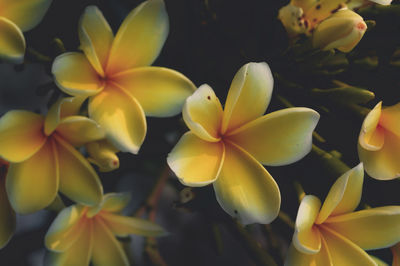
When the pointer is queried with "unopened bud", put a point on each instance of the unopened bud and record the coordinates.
(343, 31)
(103, 154)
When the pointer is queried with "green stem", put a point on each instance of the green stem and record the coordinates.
(330, 161)
(38, 56)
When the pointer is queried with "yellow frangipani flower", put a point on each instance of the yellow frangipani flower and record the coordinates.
(17, 16)
(332, 25)
(82, 234)
(7, 214)
(43, 159)
(343, 31)
(335, 234)
(114, 73)
(379, 142)
(224, 147)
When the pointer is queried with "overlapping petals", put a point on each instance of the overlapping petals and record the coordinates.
(42, 157)
(114, 72)
(278, 138)
(81, 234)
(121, 117)
(245, 190)
(224, 147)
(337, 235)
(379, 142)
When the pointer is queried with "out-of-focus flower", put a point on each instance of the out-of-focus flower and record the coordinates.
(43, 159)
(15, 18)
(103, 154)
(331, 23)
(335, 234)
(343, 31)
(82, 234)
(224, 147)
(7, 214)
(379, 142)
(115, 73)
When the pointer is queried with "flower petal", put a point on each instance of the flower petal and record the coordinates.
(107, 250)
(62, 108)
(78, 130)
(75, 76)
(7, 214)
(25, 13)
(345, 194)
(202, 113)
(278, 138)
(370, 229)
(115, 202)
(32, 184)
(79, 253)
(121, 117)
(307, 238)
(196, 162)
(123, 226)
(371, 136)
(21, 135)
(297, 258)
(248, 96)
(389, 119)
(160, 91)
(140, 38)
(343, 251)
(245, 190)
(96, 38)
(65, 229)
(382, 164)
(12, 42)
(78, 179)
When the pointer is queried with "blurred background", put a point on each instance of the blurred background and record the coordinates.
(209, 41)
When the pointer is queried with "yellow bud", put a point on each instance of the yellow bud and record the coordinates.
(343, 31)
(103, 154)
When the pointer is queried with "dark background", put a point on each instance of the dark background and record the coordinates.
(208, 42)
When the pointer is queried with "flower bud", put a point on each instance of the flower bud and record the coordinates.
(103, 154)
(343, 31)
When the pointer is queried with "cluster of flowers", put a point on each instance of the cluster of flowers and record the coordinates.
(226, 147)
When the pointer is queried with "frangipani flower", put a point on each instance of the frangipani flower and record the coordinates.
(379, 142)
(343, 31)
(332, 25)
(7, 214)
(114, 73)
(225, 147)
(81, 234)
(42, 157)
(335, 234)
(396, 254)
(17, 16)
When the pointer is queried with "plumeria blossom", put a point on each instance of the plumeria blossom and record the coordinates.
(331, 23)
(7, 214)
(379, 142)
(115, 73)
(15, 18)
(335, 234)
(43, 159)
(396, 254)
(81, 234)
(226, 147)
